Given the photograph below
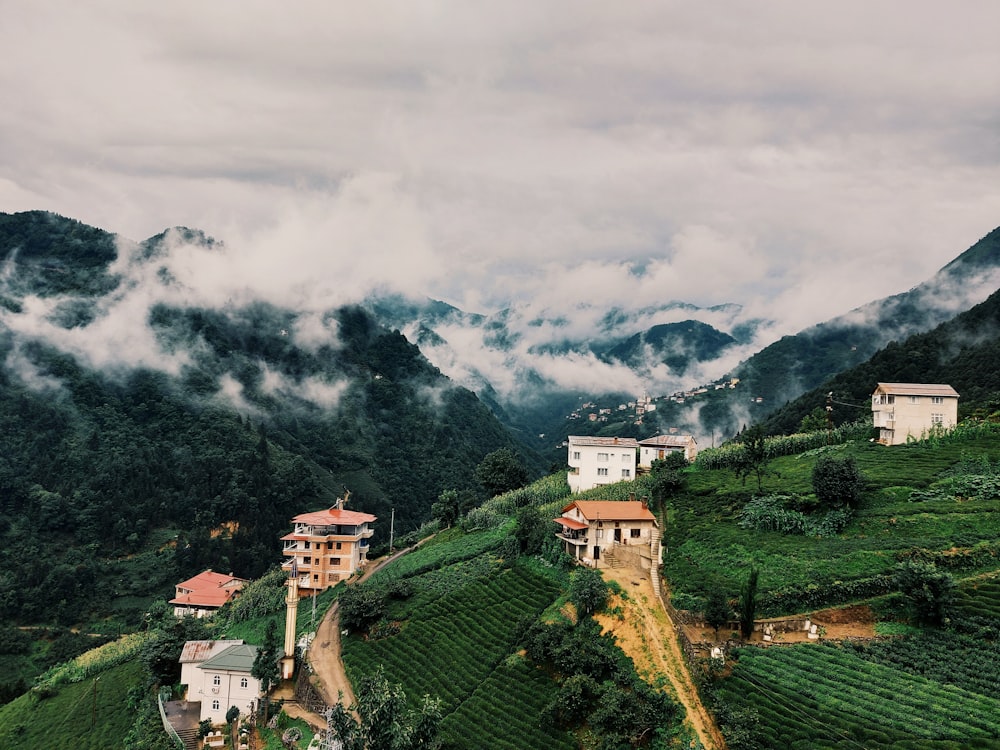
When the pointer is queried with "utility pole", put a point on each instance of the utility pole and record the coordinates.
(829, 417)
(392, 528)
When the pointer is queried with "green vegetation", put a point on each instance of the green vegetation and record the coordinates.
(879, 696)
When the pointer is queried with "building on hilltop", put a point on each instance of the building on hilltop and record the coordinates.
(596, 461)
(910, 411)
(659, 446)
(218, 675)
(202, 595)
(327, 546)
(594, 531)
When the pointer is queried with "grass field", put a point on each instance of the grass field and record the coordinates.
(906, 506)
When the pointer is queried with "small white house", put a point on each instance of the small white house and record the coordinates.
(596, 461)
(909, 411)
(659, 446)
(217, 674)
(588, 529)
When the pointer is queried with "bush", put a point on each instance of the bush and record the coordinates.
(837, 481)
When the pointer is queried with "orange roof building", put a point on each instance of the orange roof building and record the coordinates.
(202, 595)
(327, 546)
(592, 531)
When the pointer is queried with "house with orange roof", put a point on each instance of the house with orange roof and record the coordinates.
(202, 595)
(911, 411)
(592, 531)
(327, 546)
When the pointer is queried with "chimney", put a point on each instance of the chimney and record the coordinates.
(616, 441)
(631, 497)
(645, 501)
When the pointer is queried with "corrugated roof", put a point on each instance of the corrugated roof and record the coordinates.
(334, 516)
(612, 510)
(917, 389)
(196, 651)
(237, 658)
(609, 442)
(672, 441)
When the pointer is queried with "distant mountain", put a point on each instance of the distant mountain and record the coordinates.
(963, 352)
(795, 364)
(141, 431)
(677, 345)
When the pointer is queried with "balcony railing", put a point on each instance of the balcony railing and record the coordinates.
(573, 538)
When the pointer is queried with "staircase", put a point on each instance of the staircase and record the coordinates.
(654, 563)
(189, 737)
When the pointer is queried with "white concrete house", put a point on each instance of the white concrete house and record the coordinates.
(659, 446)
(903, 411)
(596, 461)
(217, 674)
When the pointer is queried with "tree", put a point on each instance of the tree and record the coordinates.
(717, 610)
(588, 591)
(383, 720)
(928, 590)
(837, 481)
(752, 459)
(748, 604)
(361, 605)
(450, 506)
(501, 471)
(531, 529)
(814, 421)
(667, 477)
(265, 664)
(231, 716)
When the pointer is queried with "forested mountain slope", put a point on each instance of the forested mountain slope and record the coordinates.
(963, 352)
(143, 443)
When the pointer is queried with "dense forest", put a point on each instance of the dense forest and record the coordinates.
(116, 483)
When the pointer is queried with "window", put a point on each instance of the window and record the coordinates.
(335, 561)
(217, 680)
(215, 705)
(625, 458)
(329, 545)
(338, 545)
(244, 683)
(937, 399)
(602, 472)
(914, 399)
(576, 455)
(626, 473)
(634, 533)
(602, 456)
(937, 419)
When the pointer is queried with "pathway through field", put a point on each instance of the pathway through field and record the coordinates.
(647, 635)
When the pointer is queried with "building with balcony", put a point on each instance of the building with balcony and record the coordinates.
(911, 411)
(594, 531)
(596, 461)
(202, 595)
(327, 546)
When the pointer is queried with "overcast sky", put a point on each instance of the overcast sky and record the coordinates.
(797, 158)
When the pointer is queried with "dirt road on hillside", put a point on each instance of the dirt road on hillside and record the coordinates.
(324, 652)
(647, 634)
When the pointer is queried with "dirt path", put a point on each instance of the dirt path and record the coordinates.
(324, 651)
(647, 635)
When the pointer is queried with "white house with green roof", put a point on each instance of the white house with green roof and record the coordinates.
(217, 674)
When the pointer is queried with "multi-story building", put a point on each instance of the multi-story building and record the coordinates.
(596, 461)
(218, 675)
(910, 411)
(327, 546)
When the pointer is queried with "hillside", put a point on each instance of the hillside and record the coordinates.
(146, 436)
(962, 352)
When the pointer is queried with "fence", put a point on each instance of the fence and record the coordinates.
(163, 718)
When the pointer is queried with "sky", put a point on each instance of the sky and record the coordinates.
(797, 159)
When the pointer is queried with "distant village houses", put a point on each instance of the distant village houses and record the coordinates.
(910, 411)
